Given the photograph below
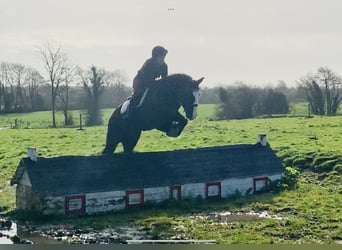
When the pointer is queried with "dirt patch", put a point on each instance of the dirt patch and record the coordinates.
(120, 235)
(229, 217)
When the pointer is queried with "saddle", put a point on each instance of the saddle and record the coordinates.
(126, 105)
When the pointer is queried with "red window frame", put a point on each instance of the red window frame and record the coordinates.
(75, 211)
(264, 179)
(136, 191)
(210, 184)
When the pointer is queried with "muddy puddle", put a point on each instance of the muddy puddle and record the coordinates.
(11, 233)
(229, 217)
(15, 234)
(7, 230)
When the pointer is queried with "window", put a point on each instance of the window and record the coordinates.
(75, 204)
(259, 183)
(213, 190)
(175, 192)
(134, 198)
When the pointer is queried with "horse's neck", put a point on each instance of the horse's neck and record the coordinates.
(166, 93)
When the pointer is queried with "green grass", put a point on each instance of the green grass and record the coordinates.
(312, 212)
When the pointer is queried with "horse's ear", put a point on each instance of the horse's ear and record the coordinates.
(200, 80)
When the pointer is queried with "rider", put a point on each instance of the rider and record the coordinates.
(153, 68)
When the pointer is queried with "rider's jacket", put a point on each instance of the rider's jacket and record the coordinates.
(149, 72)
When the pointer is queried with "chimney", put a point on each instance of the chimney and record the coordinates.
(32, 153)
(262, 139)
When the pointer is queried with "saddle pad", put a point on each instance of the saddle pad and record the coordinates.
(125, 106)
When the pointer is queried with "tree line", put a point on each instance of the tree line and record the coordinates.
(321, 90)
(69, 87)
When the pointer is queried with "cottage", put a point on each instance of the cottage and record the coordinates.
(93, 184)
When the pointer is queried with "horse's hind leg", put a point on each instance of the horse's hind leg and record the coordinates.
(113, 137)
(130, 140)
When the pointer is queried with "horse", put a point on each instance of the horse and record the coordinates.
(159, 110)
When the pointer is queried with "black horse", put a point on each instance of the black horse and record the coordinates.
(158, 110)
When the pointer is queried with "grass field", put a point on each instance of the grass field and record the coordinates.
(312, 212)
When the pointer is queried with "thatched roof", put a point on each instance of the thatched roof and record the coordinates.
(84, 174)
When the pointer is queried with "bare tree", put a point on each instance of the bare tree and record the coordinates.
(94, 82)
(55, 63)
(19, 74)
(33, 81)
(2, 84)
(118, 77)
(18, 87)
(68, 77)
(8, 81)
(323, 91)
(331, 84)
(117, 90)
(314, 94)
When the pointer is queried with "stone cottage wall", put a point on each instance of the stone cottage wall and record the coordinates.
(26, 199)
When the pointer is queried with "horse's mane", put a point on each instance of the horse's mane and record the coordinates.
(175, 78)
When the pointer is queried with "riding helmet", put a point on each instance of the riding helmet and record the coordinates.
(158, 51)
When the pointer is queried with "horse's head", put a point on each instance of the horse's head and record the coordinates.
(190, 97)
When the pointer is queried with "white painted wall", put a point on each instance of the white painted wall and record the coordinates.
(193, 190)
(106, 201)
(53, 205)
(156, 194)
(229, 186)
(116, 200)
(275, 177)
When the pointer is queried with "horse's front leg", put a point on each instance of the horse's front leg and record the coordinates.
(177, 126)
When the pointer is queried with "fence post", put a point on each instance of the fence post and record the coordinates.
(81, 128)
(16, 123)
(309, 110)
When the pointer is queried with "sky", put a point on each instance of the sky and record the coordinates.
(257, 42)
